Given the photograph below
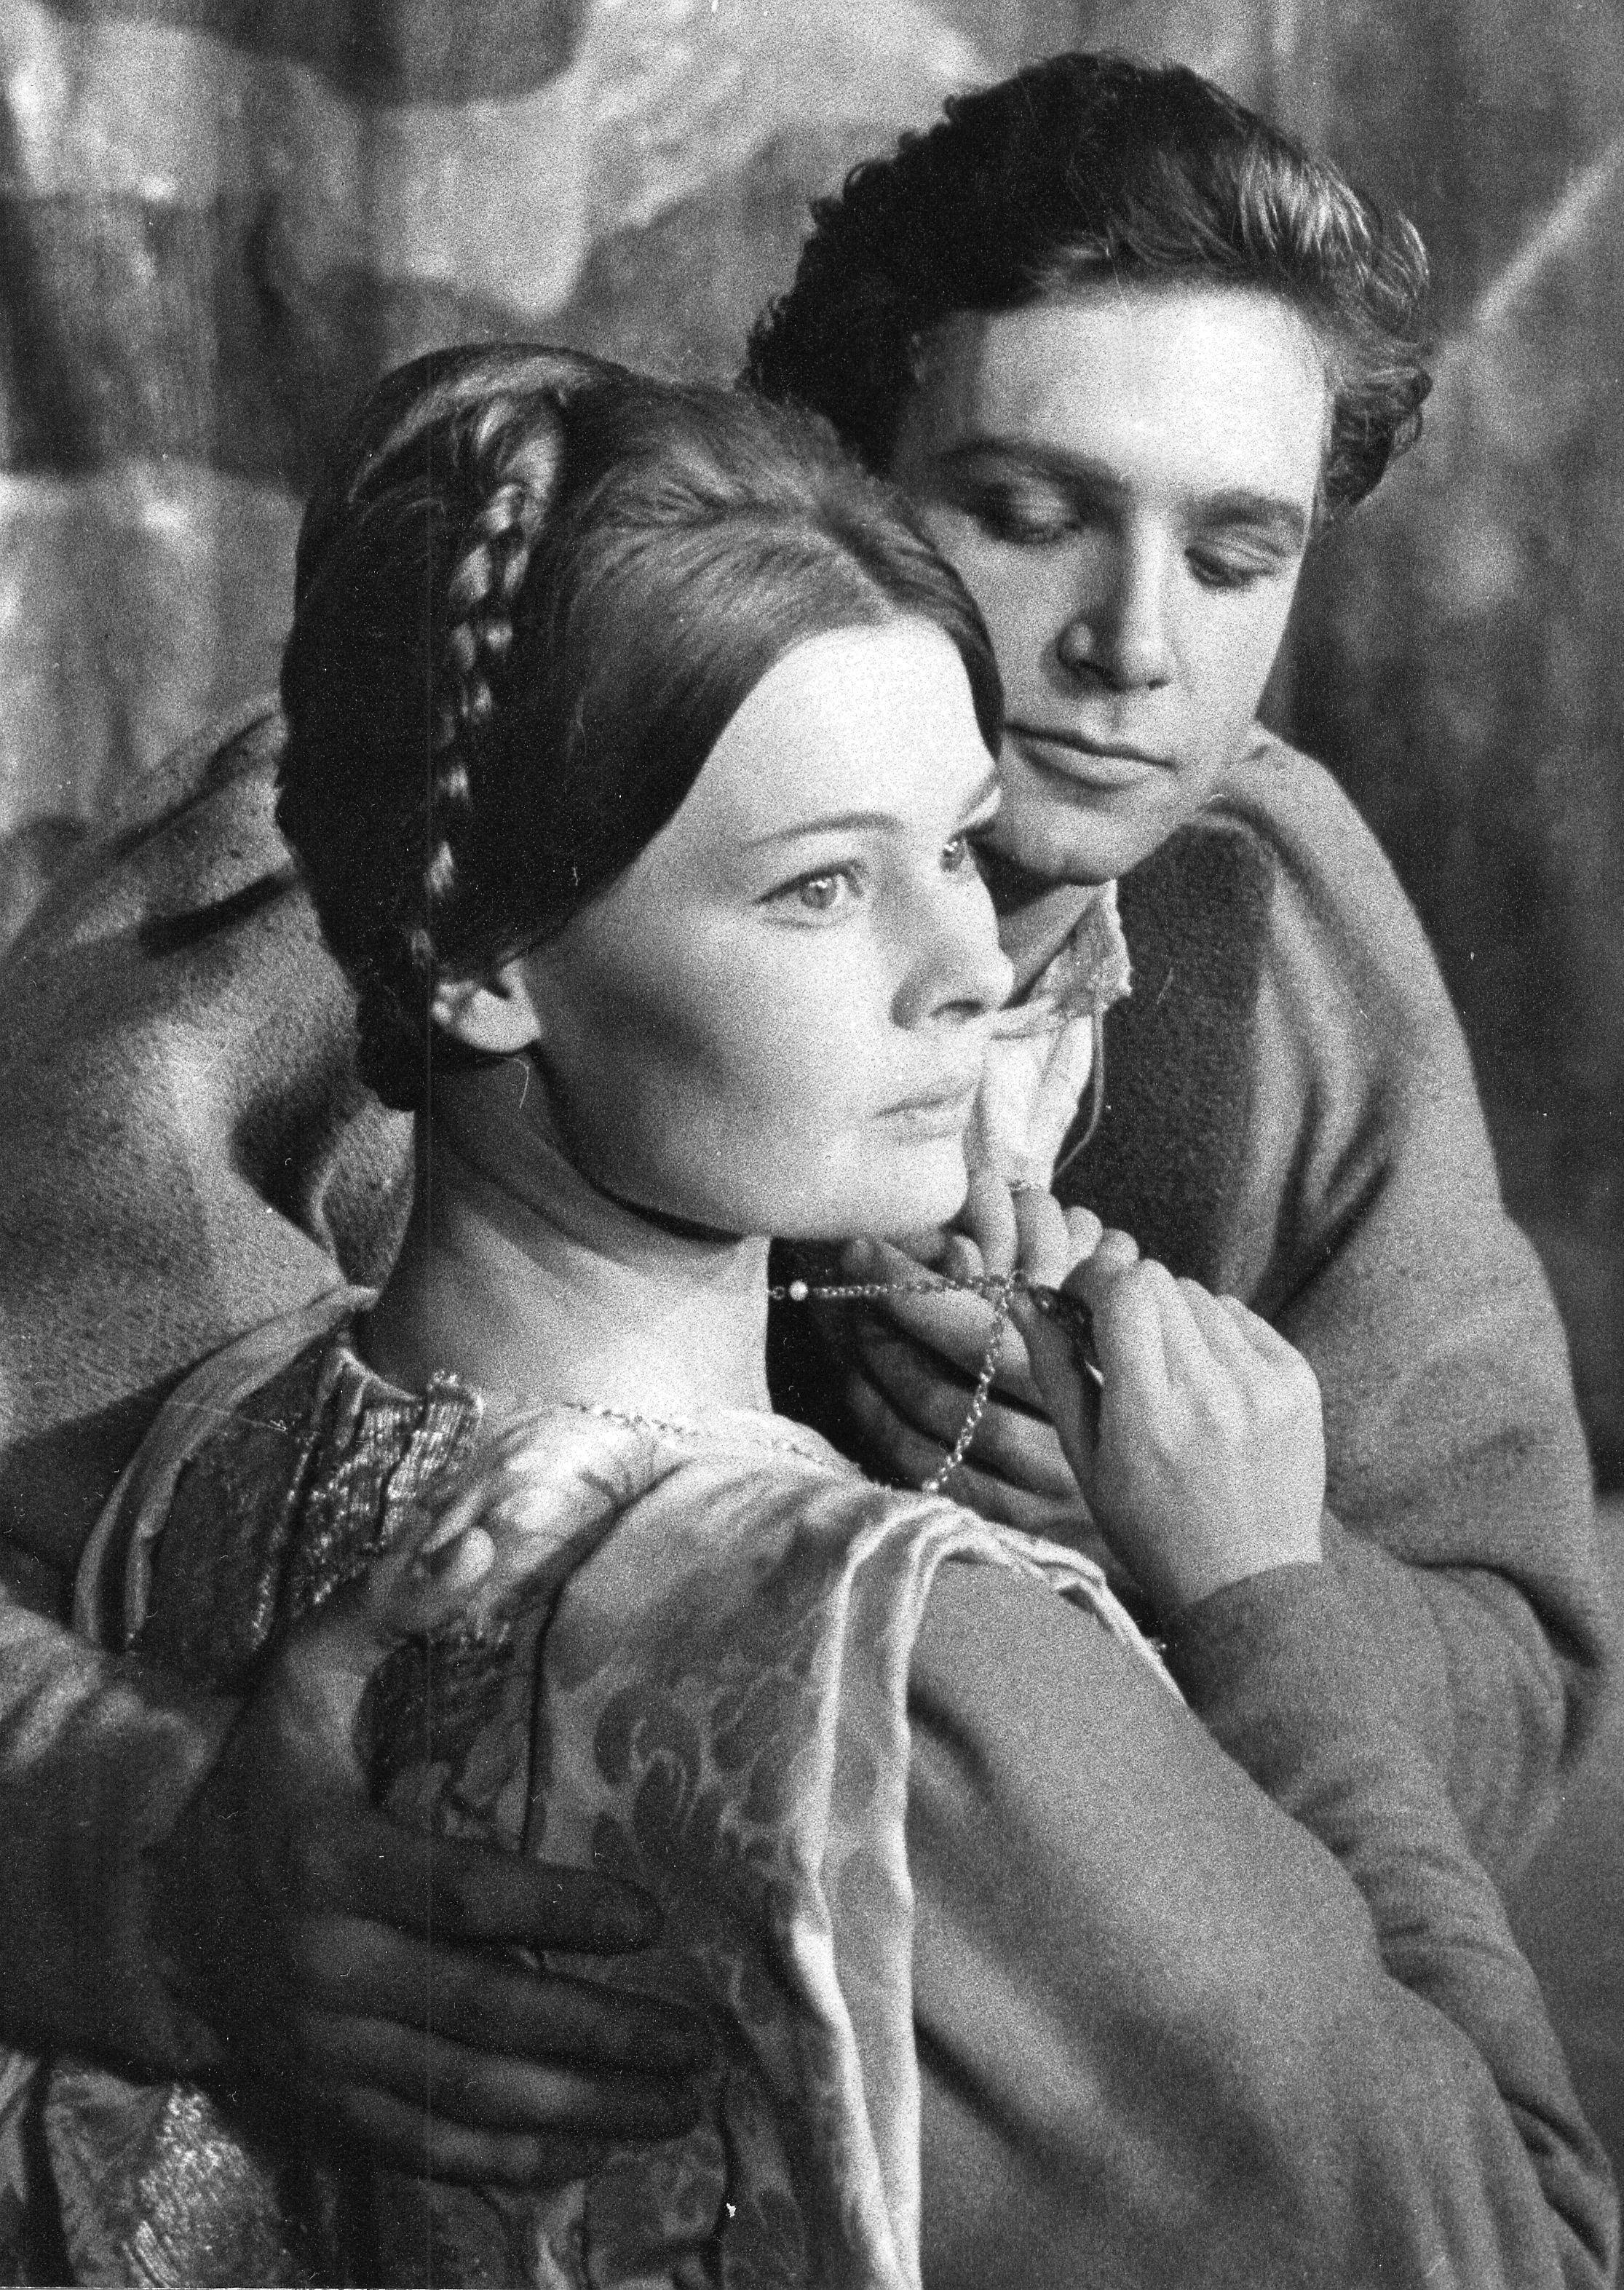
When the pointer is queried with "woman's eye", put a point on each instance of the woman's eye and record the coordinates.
(830, 893)
(960, 856)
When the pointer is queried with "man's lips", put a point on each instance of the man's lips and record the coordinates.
(1077, 756)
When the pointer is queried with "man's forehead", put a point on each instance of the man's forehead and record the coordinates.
(1225, 380)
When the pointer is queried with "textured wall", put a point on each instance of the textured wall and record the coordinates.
(219, 219)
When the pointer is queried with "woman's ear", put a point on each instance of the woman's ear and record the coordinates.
(494, 1012)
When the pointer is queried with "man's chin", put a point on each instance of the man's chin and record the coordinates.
(1078, 846)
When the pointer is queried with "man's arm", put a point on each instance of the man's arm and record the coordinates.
(186, 1148)
(191, 1884)
(1366, 1221)
(1290, 1117)
(97, 1758)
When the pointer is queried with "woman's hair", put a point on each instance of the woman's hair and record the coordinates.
(1087, 169)
(531, 592)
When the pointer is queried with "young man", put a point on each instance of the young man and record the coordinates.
(1124, 436)
(1128, 350)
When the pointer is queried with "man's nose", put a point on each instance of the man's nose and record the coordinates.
(1117, 633)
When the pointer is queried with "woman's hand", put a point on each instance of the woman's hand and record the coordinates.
(1203, 1460)
(369, 1971)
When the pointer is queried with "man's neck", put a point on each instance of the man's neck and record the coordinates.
(520, 1277)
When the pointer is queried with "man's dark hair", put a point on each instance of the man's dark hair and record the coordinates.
(1089, 168)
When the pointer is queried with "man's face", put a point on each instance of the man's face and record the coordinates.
(1126, 480)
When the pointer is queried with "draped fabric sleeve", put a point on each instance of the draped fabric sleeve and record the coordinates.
(707, 1691)
(1175, 2031)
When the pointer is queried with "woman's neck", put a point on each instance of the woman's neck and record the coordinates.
(520, 1277)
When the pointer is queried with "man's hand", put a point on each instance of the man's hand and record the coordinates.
(1203, 1456)
(912, 1363)
(372, 1972)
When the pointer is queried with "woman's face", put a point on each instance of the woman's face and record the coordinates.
(774, 1021)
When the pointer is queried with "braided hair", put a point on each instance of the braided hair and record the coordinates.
(530, 593)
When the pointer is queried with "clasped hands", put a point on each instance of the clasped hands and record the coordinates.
(1201, 1462)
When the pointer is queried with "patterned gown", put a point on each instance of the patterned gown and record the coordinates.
(705, 1692)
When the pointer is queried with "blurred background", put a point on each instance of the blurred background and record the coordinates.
(220, 219)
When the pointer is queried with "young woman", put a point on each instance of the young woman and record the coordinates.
(637, 749)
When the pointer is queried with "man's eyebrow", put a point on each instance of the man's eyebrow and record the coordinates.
(847, 822)
(1276, 514)
(1273, 513)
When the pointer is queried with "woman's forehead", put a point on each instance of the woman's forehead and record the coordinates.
(872, 719)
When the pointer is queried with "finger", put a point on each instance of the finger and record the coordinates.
(1017, 1477)
(1015, 1444)
(911, 1456)
(948, 1330)
(1084, 1234)
(1259, 1357)
(1208, 1352)
(932, 1363)
(1191, 1361)
(960, 1259)
(1115, 1254)
(498, 2091)
(1129, 1334)
(1266, 1340)
(878, 1263)
(858, 1257)
(1044, 1244)
(988, 1217)
(378, 1869)
(1225, 1340)
(1023, 1450)
(1072, 1399)
(487, 2000)
(394, 2133)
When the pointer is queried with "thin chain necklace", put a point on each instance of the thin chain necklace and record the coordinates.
(996, 1289)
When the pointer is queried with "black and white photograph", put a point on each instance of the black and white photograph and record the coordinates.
(812, 1144)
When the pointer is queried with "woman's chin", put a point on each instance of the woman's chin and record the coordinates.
(921, 1195)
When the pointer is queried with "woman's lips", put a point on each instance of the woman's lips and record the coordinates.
(934, 1113)
(1084, 762)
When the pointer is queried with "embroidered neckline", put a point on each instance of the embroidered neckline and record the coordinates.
(728, 1425)
(739, 1423)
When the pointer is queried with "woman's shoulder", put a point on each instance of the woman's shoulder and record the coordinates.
(273, 1472)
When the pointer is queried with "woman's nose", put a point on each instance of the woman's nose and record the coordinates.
(956, 969)
(1117, 633)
